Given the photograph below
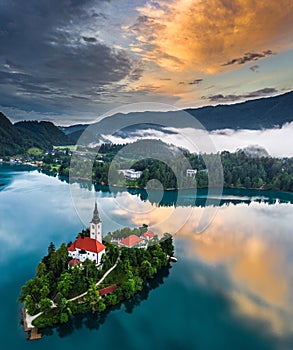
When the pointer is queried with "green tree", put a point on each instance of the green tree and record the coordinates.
(129, 288)
(93, 296)
(111, 299)
(65, 283)
(166, 244)
(30, 304)
(147, 270)
(45, 305)
(101, 305)
(64, 317)
(51, 248)
(41, 269)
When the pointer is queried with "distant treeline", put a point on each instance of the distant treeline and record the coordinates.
(239, 170)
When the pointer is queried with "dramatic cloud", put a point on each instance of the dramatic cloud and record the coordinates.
(81, 58)
(190, 35)
(52, 55)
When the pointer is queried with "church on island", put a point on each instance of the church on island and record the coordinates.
(91, 247)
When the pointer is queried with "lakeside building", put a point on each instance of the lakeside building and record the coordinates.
(131, 241)
(131, 174)
(134, 241)
(149, 235)
(191, 172)
(91, 247)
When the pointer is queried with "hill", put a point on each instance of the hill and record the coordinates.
(18, 138)
(263, 113)
(12, 140)
(46, 133)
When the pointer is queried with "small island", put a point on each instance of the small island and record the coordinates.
(92, 273)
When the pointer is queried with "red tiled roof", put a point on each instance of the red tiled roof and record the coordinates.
(149, 234)
(131, 240)
(71, 248)
(88, 244)
(107, 290)
(74, 262)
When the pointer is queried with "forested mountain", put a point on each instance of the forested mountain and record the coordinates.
(12, 140)
(46, 133)
(255, 114)
(263, 113)
(18, 138)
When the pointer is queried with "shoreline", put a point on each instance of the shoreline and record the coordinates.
(81, 180)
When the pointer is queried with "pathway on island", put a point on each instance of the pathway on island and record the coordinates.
(30, 319)
(100, 281)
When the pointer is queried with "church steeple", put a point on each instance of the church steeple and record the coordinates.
(96, 225)
(96, 219)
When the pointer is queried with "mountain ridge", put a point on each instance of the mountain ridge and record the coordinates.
(261, 113)
(19, 137)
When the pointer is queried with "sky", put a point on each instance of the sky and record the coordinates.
(70, 61)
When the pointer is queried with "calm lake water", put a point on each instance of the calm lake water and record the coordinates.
(231, 288)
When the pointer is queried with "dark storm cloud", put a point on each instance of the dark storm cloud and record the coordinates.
(249, 56)
(232, 97)
(45, 60)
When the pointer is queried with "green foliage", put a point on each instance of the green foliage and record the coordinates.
(28, 137)
(45, 305)
(111, 299)
(34, 151)
(41, 269)
(239, 169)
(51, 248)
(54, 282)
(147, 270)
(166, 244)
(30, 304)
(93, 296)
(101, 305)
(64, 317)
(124, 232)
(65, 283)
(243, 171)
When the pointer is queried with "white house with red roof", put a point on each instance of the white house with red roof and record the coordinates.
(131, 241)
(91, 247)
(149, 235)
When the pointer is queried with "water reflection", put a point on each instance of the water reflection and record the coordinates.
(253, 247)
(234, 281)
(193, 197)
(8, 172)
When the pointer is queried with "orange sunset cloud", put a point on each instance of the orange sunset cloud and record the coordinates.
(208, 36)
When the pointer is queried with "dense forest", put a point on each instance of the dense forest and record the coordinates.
(18, 138)
(240, 170)
(55, 283)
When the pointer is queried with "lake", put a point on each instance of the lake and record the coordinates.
(231, 288)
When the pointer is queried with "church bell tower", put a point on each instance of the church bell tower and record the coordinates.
(96, 226)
